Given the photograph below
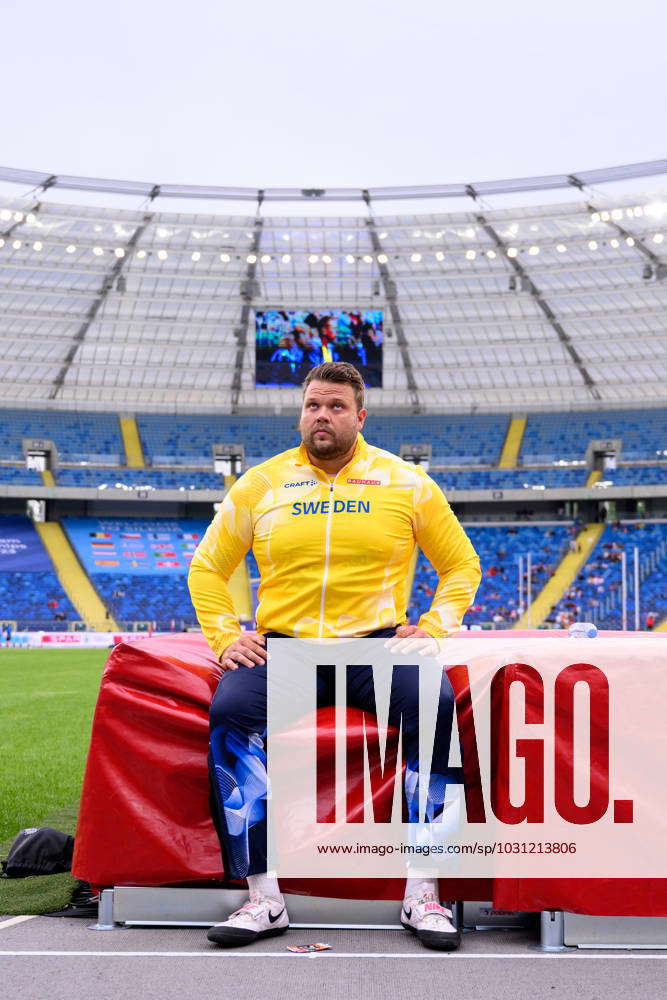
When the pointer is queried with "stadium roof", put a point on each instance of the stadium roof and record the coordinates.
(557, 306)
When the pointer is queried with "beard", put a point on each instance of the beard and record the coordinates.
(332, 446)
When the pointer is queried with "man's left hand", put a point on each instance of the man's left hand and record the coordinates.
(412, 639)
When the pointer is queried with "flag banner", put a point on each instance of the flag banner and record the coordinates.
(133, 546)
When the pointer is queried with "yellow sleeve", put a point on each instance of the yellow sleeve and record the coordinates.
(450, 552)
(227, 539)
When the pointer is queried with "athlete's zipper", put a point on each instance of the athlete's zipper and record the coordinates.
(325, 571)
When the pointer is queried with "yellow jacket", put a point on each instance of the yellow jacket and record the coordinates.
(333, 552)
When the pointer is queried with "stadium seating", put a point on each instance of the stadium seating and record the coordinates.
(139, 566)
(636, 475)
(169, 440)
(455, 440)
(595, 595)
(30, 592)
(187, 440)
(552, 436)
(25, 599)
(18, 475)
(510, 479)
(162, 600)
(91, 437)
(157, 479)
(499, 548)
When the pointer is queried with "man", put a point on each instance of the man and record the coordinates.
(333, 525)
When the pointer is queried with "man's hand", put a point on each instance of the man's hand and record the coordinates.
(412, 639)
(249, 649)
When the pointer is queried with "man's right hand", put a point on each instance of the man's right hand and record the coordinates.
(248, 650)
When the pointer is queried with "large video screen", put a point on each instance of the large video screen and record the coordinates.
(288, 343)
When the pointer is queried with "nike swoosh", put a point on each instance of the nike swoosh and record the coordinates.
(408, 913)
(273, 919)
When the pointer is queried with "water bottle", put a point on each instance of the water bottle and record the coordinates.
(582, 630)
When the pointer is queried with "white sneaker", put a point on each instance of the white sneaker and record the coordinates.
(254, 920)
(431, 922)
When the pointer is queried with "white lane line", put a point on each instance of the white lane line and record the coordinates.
(219, 954)
(16, 920)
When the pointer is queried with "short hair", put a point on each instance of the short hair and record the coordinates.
(341, 372)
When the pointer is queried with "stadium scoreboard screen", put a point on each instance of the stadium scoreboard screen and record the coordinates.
(288, 343)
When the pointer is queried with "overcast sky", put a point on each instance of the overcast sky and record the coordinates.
(345, 93)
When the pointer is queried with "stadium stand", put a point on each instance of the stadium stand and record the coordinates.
(91, 437)
(164, 602)
(168, 440)
(636, 475)
(510, 479)
(552, 436)
(157, 479)
(138, 566)
(473, 440)
(187, 440)
(474, 342)
(499, 548)
(18, 475)
(595, 594)
(30, 593)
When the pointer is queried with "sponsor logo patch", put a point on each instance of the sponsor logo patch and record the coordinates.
(303, 482)
(365, 482)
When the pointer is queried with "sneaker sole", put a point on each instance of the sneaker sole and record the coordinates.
(237, 937)
(437, 940)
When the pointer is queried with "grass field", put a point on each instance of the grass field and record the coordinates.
(47, 698)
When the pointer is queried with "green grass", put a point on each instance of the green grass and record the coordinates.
(47, 699)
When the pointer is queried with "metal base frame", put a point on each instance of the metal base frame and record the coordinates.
(132, 906)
